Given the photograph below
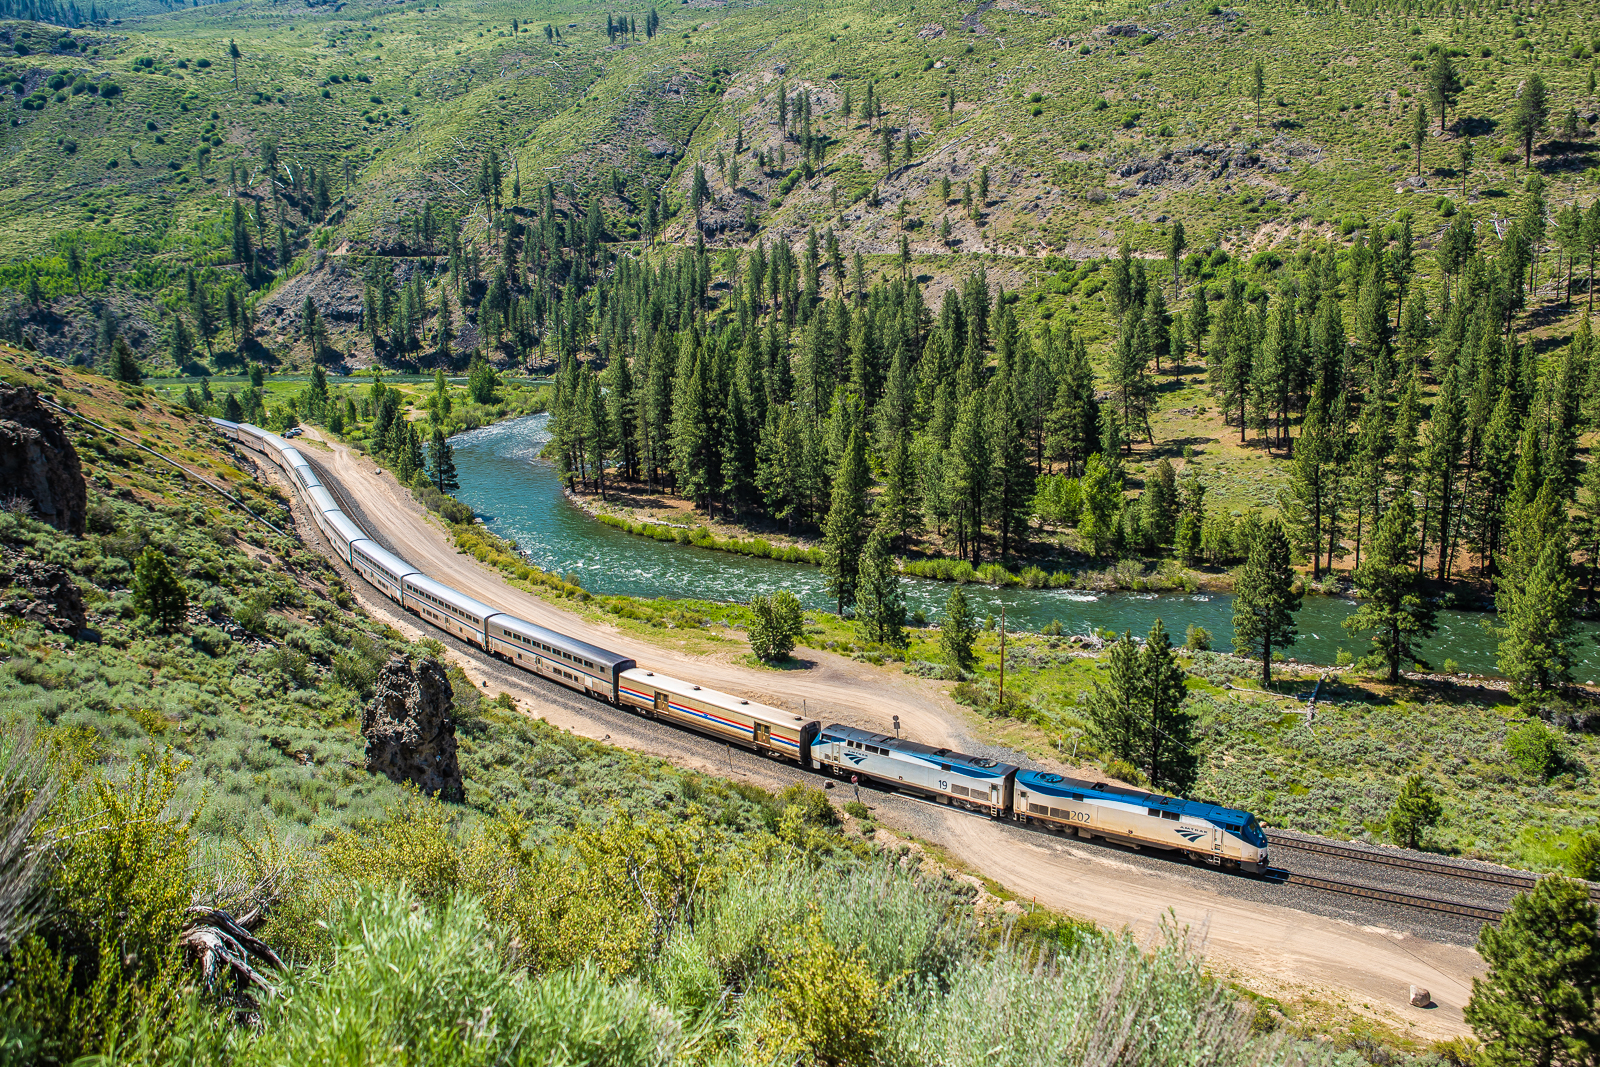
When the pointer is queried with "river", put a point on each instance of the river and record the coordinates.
(519, 497)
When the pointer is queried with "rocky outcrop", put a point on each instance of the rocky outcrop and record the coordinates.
(410, 728)
(38, 463)
(46, 594)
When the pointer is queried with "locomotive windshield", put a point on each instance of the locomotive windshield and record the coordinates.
(1253, 832)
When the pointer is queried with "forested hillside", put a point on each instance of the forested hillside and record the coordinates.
(967, 275)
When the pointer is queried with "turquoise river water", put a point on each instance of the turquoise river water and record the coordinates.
(519, 496)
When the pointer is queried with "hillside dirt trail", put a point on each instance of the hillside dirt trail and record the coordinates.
(1293, 955)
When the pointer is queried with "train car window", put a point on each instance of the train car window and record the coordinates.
(1154, 813)
(1170, 815)
(944, 766)
(1075, 796)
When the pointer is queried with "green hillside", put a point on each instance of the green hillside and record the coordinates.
(405, 185)
(1095, 124)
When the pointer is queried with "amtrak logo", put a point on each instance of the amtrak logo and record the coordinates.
(857, 758)
(1191, 834)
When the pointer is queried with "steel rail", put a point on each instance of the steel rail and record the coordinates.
(1410, 900)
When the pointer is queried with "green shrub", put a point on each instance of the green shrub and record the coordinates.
(400, 976)
(157, 593)
(1536, 749)
(104, 964)
(1583, 858)
(1123, 771)
(776, 625)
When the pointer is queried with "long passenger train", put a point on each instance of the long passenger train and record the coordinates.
(1118, 814)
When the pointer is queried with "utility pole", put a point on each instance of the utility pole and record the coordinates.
(1002, 659)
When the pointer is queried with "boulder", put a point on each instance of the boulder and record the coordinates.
(1420, 997)
(46, 594)
(411, 729)
(38, 464)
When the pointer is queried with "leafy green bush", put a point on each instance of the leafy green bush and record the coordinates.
(104, 964)
(777, 624)
(401, 977)
(1536, 749)
(1123, 771)
(1583, 858)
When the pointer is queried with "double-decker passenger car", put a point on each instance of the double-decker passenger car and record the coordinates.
(380, 567)
(1134, 817)
(454, 612)
(544, 651)
(746, 722)
(971, 781)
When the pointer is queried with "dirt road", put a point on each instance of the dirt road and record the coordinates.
(834, 688)
(1288, 953)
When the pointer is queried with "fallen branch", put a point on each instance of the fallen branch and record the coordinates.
(217, 941)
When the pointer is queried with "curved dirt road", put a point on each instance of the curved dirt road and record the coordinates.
(1294, 955)
(835, 688)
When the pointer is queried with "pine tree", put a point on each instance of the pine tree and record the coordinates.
(158, 594)
(1416, 810)
(124, 365)
(1444, 85)
(957, 631)
(443, 327)
(1530, 117)
(1441, 467)
(1535, 599)
(1536, 1004)
(1391, 608)
(1265, 599)
(1114, 719)
(842, 532)
(880, 602)
(1419, 132)
(694, 436)
(1308, 493)
(442, 463)
(968, 466)
(1170, 758)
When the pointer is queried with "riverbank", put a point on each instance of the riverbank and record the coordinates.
(636, 511)
(1333, 772)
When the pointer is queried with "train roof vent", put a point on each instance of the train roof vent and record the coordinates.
(1101, 785)
(984, 761)
(744, 702)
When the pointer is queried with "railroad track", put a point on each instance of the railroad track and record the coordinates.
(1443, 868)
(1410, 900)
